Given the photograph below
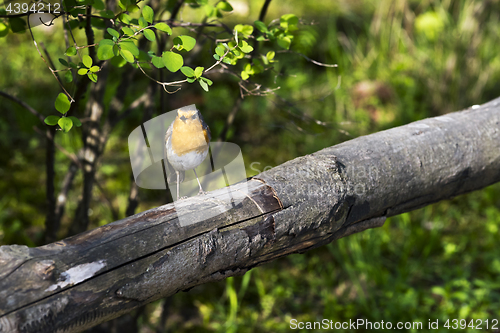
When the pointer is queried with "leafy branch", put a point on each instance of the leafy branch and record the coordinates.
(233, 52)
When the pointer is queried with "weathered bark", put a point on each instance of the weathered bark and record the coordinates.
(307, 202)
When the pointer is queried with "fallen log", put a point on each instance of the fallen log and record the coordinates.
(98, 275)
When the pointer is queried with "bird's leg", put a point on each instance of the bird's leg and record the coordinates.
(201, 189)
(178, 184)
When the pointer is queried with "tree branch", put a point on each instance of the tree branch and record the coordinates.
(262, 15)
(24, 105)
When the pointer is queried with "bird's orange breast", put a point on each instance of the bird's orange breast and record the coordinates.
(188, 136)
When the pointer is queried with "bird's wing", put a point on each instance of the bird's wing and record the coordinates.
(168, 137)
(206, 129)
(170, 171)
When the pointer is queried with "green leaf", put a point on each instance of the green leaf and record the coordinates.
(133, 8)
(17, 24)
(4, 30)
(163, 27)
(52, 120)
(129, 46)
(261, 26)
(210, 11)
(238, 54)
(284, 42)
(106, 42)
(97, 23)
(87, 61)
(246, 30)
(143, 23)
(92, 77)
(188, 71)
(191, 79)
(76, 12)
(289, 18)
(225, 6)
(127, 55)
(172, 61)
(157, 62)
(98, 4)
(125, 18)
(270, 55)
(257, 67)
(148, 14)
(198, 71)
(62, 103)
(83, 71)
(128, 31)
(204, 85)
(71, 51)
(113, 32)
(105, 49)
(65, 124)
(118, 62)
(208, 81)
(220, 50)
(68, 76)
(149, 34)
(75, 121)
(94, 69)
(289, 22)
(178, 44)
(63, 62)
(244, 47)
(187, 42)
(244, 75)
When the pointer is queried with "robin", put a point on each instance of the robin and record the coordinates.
(186, 144)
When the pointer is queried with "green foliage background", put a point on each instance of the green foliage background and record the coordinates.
(398, 61)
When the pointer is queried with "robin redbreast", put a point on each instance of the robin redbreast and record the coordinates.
(186, 144)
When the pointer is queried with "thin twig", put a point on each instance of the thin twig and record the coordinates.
(49, 58)
(48, 66)
(24, 105)
(308, 59)
(177, 83)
